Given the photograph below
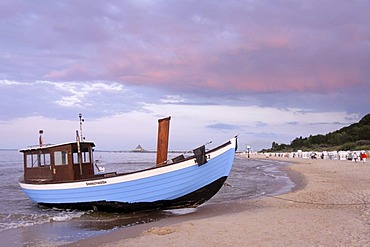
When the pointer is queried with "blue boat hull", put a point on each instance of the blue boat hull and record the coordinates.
(193, 199)
(183, 184)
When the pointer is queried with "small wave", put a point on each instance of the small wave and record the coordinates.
(182, 211)
(67, 215)
(269, 175)
(13, 221)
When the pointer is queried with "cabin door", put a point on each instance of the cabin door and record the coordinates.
(62, 169)
(82, 162)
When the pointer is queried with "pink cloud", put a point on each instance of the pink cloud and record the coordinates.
(233, 47)
(74, 71)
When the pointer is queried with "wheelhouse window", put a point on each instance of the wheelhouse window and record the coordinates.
(46, 159)
(37, 160)
(61, 158)
(85, 157)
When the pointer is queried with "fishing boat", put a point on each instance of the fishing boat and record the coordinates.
(65, 176)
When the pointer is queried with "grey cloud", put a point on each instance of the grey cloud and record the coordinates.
(65, 100)
(223, 126)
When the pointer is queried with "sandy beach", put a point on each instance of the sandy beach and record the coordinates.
(330, 206)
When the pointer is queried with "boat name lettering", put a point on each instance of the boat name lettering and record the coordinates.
(96, 183)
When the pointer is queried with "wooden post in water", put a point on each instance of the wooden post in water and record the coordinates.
(162, 144)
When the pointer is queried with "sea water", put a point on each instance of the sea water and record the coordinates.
(22, 223)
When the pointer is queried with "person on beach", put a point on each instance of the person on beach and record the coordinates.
(355, 156)
(363, 156)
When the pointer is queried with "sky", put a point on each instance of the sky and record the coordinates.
(267, 70)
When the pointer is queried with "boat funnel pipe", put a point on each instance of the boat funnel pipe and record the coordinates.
(41, 140)
(162, 144)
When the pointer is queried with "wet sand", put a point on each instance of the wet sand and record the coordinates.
(330, 206)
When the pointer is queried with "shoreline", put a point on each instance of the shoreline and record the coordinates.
(324, 208)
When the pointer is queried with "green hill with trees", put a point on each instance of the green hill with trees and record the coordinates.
(353, 137)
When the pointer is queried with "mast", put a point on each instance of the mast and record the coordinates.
(79, 153)
(41, 142)
(162, 144)
(79, 139)
(81, 121)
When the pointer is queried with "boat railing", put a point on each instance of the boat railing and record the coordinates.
(40, 146)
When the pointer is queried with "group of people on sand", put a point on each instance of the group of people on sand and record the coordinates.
(362, 156)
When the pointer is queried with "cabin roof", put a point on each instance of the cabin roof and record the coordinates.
(46, 146)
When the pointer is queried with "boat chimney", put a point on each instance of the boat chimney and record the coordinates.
(41, 140)
(162, 144)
